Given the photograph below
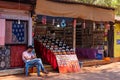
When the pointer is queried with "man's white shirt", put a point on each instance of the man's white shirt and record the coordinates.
(28, 55)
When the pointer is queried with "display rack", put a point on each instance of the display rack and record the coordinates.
(88, 37)
(68, 34)
(84, 37)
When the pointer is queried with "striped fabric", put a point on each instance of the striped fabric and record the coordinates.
(8, 35)
(2, 31)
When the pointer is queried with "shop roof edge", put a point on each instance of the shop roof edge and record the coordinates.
(76, 2)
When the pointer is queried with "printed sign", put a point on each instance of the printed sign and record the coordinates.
(67, 63)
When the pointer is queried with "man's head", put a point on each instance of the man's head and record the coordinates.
(30, 48)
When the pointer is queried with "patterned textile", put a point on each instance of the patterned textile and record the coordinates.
(5, 58)
(16, 33)
(2, 31)
(16, 56)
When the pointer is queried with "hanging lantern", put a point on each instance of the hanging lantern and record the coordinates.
(74, 23)
(101, 25)
(84, 25)
(53, 22)
(58, 25)
(33, 34)
(44, 20)
(107, 26)
(94, 26)
(63, 23)
(105, 34)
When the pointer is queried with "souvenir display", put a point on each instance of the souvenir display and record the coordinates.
(47, 49)
(56, 45)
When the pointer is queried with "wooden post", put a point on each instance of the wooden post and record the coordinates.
(74, 35)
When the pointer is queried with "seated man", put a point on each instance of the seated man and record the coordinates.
(30, 60)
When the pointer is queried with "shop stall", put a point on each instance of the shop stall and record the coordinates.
(76, 29)
(54, 43)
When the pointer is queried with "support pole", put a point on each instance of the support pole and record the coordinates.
(74, 35)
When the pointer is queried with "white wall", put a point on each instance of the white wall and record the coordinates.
(30, 32)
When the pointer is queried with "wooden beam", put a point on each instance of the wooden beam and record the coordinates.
(14, 5)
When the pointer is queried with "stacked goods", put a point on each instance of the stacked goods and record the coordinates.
(5, 58)
(57, 46)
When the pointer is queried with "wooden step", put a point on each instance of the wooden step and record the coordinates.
(47, 67)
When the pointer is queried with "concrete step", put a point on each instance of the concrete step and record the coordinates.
(11, 71)
(22, 70)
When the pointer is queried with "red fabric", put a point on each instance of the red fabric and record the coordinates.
(46, 54)
(16, 56)
(53, 61)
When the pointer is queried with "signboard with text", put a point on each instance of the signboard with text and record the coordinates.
(67, 63)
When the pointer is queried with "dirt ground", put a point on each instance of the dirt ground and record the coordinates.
(104, 72)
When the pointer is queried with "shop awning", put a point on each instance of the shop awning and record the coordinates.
(60, 9)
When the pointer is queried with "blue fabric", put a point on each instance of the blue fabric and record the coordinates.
(18, 31)
(35, 62)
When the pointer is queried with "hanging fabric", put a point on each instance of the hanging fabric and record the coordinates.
(8, 35)
(2, 32)
(74, 23)
(94, 26)
(44, 20)
(15, 33)
(84, 25)
(53, 22)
